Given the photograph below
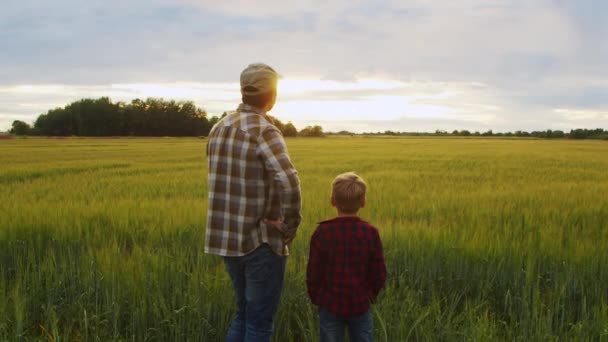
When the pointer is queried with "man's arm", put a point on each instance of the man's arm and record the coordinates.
(273, 152)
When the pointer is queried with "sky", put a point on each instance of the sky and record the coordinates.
(357, 65)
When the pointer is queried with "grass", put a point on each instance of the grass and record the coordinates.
(485, 239)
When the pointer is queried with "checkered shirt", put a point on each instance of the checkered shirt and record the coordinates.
(346, 268)
(251, 178)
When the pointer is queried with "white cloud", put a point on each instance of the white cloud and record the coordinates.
(264, 8)
(300, 100)
(484, 62)
(582, 115)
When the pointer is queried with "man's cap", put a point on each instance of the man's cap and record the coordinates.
(258, 78)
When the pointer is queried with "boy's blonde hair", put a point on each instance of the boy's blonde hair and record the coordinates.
(348, 192)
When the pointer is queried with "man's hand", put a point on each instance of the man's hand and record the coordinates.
(279, 225)
(288, 239)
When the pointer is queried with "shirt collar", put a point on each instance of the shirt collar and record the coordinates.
(343, 219)
(250, 109)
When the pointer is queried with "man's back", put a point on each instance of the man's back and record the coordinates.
(254, 204)
(251, 178)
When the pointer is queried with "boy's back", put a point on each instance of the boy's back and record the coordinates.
(345, 268)
(346, 265)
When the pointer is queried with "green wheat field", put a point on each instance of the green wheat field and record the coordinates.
(485, 239)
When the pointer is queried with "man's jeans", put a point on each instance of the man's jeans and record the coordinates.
(257, 279)
(333, 327)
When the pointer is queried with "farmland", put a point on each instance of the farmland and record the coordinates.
(485, 239)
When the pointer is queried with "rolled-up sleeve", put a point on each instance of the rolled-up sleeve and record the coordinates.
(273, 151)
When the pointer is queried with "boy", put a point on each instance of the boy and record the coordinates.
(346, 268)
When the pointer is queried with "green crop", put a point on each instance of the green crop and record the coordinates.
(485, 239)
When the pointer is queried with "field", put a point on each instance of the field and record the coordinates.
(485, 239)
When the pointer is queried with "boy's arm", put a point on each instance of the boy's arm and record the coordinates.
(314, 269)
(377, 268)
(273, 152)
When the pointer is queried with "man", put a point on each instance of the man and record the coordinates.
(254, 204)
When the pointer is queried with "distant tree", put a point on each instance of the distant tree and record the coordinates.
(190, 120)
(93, 117)
(487, 133)
(312, 131)
(20, 128)
(101, 117)
(213, 121)
(465, 133)
(289, 130)
(538, 134)
(277, 122)
(576, 134)
(522, 134)
(344, 132)
(583, 133)
(134, 116)
(56, 121)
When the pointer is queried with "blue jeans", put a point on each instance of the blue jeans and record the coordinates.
(333, 327)
(257, 279)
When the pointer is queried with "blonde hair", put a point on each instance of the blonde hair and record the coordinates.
(348, 192)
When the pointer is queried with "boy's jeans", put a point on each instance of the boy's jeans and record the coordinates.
(257, 279)
(360, 328)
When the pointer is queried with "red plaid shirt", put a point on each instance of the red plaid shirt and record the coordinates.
(346, 266)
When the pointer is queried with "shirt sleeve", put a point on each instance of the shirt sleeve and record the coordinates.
(273, 152)
(377, 270)
(314, 269)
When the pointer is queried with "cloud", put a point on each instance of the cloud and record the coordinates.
(582, 115)
(530, 56)
(190, 40)
(300, 100)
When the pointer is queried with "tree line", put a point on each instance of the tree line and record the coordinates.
(102, 117)
(153, 117)
(579, 133)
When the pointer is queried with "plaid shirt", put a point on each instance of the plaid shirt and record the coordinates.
(251, 178)
(346, 266)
